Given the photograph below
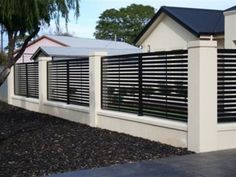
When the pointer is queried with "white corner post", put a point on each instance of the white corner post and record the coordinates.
(43, 81)
(95, 85)
(202, 96)
(10, 85)
(230, 27)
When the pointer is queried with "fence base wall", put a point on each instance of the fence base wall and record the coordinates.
(165, 131)
(226, 136)
(68, 112)
(169, 132)
(155, 129)
(25, 103)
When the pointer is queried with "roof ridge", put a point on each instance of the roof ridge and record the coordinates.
(182, 16)
(173, 16)
(105, 40)
(231, 8)
(191, 8)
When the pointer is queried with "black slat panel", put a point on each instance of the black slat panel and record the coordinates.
(226, 85)
(152, 84)
(68, 81)
(26, 80)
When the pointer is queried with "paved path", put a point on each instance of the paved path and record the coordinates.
(215, 164)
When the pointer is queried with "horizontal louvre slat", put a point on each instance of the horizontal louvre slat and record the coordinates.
(149, 80)
(226, 85)
(26, 80)
(68, 81)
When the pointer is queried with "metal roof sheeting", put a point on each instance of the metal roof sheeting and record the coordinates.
(91, 43)
(200, 21)
(70, 52)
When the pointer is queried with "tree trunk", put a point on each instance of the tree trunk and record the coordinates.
(4, 74)
(6, 71)
(11, 58)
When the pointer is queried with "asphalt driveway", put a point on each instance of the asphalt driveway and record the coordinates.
(214, 164)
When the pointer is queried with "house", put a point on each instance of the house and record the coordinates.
(173, 27)
(80, 52)
(76, 44)
(45, 40)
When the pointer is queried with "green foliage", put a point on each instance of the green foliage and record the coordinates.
(22, 20)
(3, 58)
(30, 13)
(25, 17)
(59, 32)
(123, 24)
(20, 41)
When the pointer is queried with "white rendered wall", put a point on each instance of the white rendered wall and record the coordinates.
(220, 43)
(95, 86)
(230, 28)
(226, 136)
(202, 96)
(152, 128)
(167, 35)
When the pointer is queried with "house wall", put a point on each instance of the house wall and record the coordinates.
(230, 28)
(30, 50)
(167, 35)
(220, 43)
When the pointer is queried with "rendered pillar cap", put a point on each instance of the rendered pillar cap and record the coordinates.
(98, 54)
(202, 43)
(44, 58)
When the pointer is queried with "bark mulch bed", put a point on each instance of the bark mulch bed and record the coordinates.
(33, 144)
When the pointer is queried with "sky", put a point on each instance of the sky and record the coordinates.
(90, 11)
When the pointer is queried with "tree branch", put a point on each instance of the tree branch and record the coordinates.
(27, 40)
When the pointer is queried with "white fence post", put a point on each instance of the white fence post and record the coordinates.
(10, 85)
(202, 96)
(43, 80)
(95, 86)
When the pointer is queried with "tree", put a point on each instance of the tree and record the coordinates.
(60, 32)
(23, 19)
(20, 41)
(123, 24)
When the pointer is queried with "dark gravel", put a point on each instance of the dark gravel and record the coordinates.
(33, 144)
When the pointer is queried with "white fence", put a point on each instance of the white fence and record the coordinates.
(201, 133)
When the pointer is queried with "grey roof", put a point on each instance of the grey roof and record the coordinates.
(91, 43)
(78, 52)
